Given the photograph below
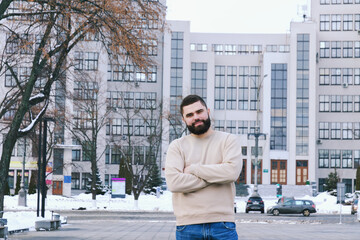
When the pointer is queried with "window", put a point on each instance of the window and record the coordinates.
(76, 155)
(348, 75)
(219, 87)
(231, 126)
(324, 49)
(230, 49)
(199, 79)
(271, 48)
(348, 1)
(336, 22)
(356, 158)
(357, 49)
(335, 130)
(256, 49)
(323, 158)
(75, 180)
(357, 76)
(324, 2)
(336, 49)
(335, 76)
(336, 1)
(356, 103)
(242, 127)
(201, 47)
(218, 49)
(284, 48)
(335, 103)
(324, 130)
(348, 22)
(85, 90)
(347, 104)
(243, 49)
(346, 158)
(335, 159)
(231, 88)
(85, 180)
(116, 126)
(347, 130)
(220, 125)
(357, 22)
(243, 88)
(348, 49)
(324, 22)
(10, 77)
(356, 130)
(254, 79)
(115, 155)
(139, 127)
(324, 78)
(324, 103)
(278, 107)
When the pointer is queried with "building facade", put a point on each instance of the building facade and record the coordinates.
(300, 88)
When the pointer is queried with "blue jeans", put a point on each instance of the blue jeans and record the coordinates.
(207, 231)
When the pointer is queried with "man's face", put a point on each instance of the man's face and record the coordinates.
(196, 118)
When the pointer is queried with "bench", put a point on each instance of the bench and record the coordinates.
(47, 225)
(3, 229)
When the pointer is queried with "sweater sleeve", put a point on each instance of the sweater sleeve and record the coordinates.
(176, 179)
(227, 171)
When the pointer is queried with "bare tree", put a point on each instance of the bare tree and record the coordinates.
(141, 143)
(41, 35)
(89, 118)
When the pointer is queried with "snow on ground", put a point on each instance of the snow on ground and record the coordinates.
(24, 217)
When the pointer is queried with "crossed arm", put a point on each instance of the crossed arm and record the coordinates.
(181, 178)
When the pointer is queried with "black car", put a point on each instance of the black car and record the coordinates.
(292, 207)
(254, 203)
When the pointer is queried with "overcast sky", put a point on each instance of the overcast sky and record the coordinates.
(237, 16)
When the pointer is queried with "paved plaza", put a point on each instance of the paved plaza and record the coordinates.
(165, 229)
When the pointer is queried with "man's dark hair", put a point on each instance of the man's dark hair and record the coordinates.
(190, 99)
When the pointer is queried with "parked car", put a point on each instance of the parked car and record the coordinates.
(254, 203)
(354, 206)
(292, 207)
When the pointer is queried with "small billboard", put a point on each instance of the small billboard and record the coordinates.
(118, 187)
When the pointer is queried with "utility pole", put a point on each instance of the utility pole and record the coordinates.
(257, 134)
(22, 191)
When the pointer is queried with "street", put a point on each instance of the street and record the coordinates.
(161, 226)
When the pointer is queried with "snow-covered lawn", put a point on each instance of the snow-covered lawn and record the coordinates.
(25, 217)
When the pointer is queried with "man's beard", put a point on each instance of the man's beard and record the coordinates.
(198, 130)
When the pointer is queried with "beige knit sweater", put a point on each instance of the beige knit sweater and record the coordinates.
(206, 192)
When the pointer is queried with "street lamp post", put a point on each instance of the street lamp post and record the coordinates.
(22, 191)
(257, 134)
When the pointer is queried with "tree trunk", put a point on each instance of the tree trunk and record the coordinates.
(8, 146)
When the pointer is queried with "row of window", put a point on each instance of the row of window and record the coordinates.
(339, 76)
(131, 127)
(237, 87)
(235, 126)
(22, 75)
(131, 100)
(339, 103)
(131, 73)
(338, 22)
(335, 158)
(339, 130)
(327, 2)
(338, 49)
(234, 49)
